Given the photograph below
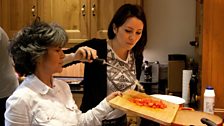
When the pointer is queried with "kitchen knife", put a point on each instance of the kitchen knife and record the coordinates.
(104, 62)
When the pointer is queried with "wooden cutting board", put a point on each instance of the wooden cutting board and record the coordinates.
(162, 116)
(187, 118)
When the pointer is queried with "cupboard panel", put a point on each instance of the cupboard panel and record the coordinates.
(67, 13)
(82, 19)
(102, 14)
(213, 50)
(16, 14)
(76, 70)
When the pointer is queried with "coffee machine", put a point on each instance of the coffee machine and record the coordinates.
(150, 72)
(147, 71)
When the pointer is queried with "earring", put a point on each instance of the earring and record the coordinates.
(114, 29)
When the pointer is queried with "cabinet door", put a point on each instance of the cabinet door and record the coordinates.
(102, 12)
(76, 70)
(70, 14)
(213, 50)
(16, 14)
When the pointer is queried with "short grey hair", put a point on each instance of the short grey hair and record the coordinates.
(32, 42)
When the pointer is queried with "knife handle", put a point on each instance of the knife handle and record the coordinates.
(99, 61)
(208, 122)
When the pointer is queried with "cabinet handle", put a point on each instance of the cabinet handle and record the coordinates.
(83, 10)
(33, 10)
(93, 10)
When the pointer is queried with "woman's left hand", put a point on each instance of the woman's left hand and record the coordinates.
(113, 95)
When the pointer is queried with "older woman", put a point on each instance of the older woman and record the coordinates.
(41, 99)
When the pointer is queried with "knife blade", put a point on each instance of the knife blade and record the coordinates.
(104, 62)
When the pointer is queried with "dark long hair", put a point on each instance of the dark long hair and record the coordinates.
(122, 14)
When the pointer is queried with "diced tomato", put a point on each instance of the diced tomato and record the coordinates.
(148, 102)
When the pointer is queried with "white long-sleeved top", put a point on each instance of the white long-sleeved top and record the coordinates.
(34, 103)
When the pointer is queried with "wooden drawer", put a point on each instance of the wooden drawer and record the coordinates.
(78, 98)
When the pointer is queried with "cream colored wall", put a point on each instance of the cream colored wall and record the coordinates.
(171, 25)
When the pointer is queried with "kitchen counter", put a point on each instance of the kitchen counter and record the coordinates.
(74, 83)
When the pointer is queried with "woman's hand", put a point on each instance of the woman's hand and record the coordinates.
(113, 95)
(85, 54)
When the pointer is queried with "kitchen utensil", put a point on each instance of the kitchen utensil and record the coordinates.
(104, 62)
(208, 122)
(170, 98)
(163, 116)
(187, 117)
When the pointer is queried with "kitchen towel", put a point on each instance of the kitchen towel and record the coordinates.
(186, 85)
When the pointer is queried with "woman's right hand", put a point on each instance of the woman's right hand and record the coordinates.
(85, 54)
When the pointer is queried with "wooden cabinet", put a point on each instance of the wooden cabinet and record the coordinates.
(68, 14)
(82, 19)
(101, 13)
(213, 50)
(76, 70)
(78, 98)
(15, 14)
